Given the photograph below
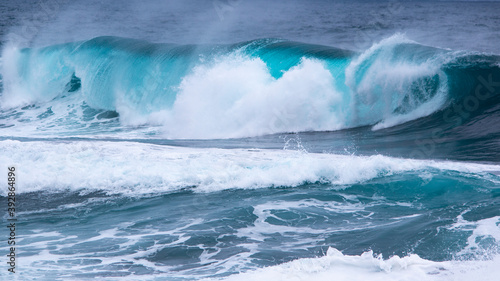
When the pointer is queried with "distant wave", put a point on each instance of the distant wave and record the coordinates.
(252, 88)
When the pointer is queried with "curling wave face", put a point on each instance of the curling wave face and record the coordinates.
(111, 85)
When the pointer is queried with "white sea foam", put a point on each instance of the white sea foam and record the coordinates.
(237, 97)
(484, 238)
(339, 267)
(137, 168)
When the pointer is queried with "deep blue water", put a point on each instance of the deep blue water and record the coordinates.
(243, 140)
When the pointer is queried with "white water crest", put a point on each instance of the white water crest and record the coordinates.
(137, 169)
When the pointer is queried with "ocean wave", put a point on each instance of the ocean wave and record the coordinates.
(137, 169)
(252, 88)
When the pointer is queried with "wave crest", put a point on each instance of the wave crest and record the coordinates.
(247, 89)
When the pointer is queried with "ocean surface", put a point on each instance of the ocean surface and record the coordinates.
(251, 140)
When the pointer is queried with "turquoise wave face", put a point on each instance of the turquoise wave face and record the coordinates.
(265, 86)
